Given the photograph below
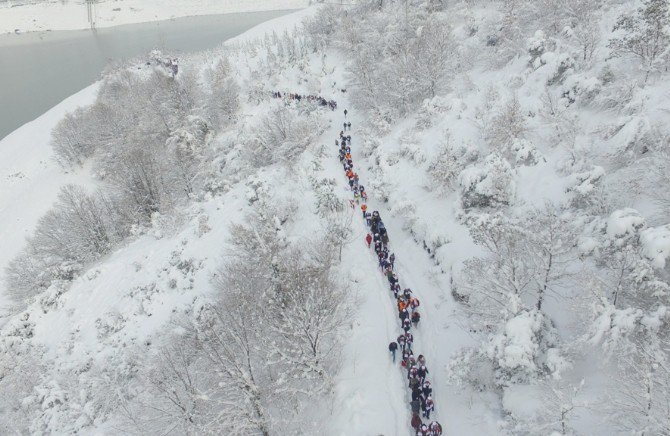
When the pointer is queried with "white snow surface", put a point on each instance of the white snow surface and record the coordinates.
(72, 15)
(429, 240)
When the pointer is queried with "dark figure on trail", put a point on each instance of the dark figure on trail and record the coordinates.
(349, 127)
(392, 260)
(415, 318)
(416, 421)
(368, 239)
(416, 406)
(401, 342)
(392, 348)
(345, 113)
(428, 407)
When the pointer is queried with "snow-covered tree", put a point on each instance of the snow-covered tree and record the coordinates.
(644, 35)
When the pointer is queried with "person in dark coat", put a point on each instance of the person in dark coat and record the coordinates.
(415, 318)
(392, 260)
(401, 341)
(392, 348)
(416, 406)
(406, 325)
(426, 389)
(416, 394)
(421, 372)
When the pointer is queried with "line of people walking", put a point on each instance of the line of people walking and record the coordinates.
(332, 104)
(421, 403)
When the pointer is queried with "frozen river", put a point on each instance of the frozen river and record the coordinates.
(40, 69)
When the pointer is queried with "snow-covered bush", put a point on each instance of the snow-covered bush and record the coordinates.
(326, 200)
(490, 184)
(524, 350)
(79, 229)
(449, 162)
(281, 136)
(506, 126)
(583, 186)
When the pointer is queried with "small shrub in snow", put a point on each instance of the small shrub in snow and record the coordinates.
(327, 201)
(489, 185)
(584, 186)
(449, 162)
(203, 225)
(506, 125)
(520, 351)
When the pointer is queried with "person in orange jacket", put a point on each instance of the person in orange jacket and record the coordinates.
(364, 208)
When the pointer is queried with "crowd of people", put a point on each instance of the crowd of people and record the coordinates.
(421, 403)
(332, 104)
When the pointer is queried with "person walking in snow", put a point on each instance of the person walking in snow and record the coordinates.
(368, 218)
(416, 394)
(392, 348)
(345, 113)
(409, 340)
(435, 429)
(364, 208)
(421, 372)
(406, 325)
(395, 288)
(402, 304)
(421, 360)
(392, 260)
(416, 421)
(401, 342)
(414, 382)
(416, 317)
(426, 389)
(349, 125)
(407, 293)
(368, 239)
(414, 304)
(428, 407)
(416, 407)
(403, 314)
(423, 430)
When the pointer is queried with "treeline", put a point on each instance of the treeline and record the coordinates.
(147, 139)
(260, 356)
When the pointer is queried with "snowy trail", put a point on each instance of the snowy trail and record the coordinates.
(430, 327)
(371, 400)
(437, 335)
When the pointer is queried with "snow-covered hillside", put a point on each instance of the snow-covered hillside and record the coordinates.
(213, 276)
(72, 15)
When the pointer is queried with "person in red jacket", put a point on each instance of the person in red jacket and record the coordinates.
(368, 239)
(416, 421)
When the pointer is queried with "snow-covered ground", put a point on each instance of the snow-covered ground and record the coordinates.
(503, 145)
(31, 179)
(73, 15)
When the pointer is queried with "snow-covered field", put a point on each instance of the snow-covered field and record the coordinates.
(72, 15)
(519, 168)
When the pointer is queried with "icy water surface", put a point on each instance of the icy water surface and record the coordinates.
(40, 69)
